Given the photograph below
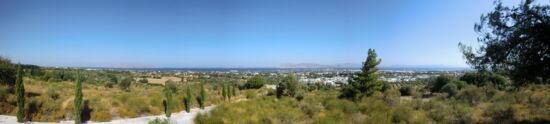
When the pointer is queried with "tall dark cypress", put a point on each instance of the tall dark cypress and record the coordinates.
(188, 100)
(168, 98)
(20, 93)
(202, 97)
(78, 100)
(224, 92)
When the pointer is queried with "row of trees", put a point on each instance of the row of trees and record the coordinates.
(228, 91)
(187, 99)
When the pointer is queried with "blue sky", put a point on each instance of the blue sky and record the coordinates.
(236, 33)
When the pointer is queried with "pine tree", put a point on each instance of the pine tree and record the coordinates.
(168, 101)
(78, 100)
(366, 82)
(202, 97)
(188, 100)
(20, 93)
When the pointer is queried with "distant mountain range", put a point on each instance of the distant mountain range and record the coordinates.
(313, 65)
(350, 65)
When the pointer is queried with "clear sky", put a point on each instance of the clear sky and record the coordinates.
(236, 33)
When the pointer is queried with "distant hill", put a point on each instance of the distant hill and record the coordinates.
(313, 65)
(392, 67)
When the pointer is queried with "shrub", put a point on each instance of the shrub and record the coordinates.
(171, 85)
(436, 84)
(250, 94)
(392, 97)
(143, 80)
(403, 114)
(472, 95)
(255, 82)
(288, 86)
(7, 72)
(486, 79)
(406, 90)
(451, 89)
(125, 83)
(159, 121)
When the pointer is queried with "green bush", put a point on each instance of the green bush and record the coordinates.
(288, 87)
(450, 88)
(406, 90)
(125, 83)
(159, 121)
(255, 82)
(403, 114)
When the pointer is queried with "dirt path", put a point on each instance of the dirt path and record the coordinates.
(176, 118)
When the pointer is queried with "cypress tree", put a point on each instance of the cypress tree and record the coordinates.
(224, 92)
(20, 93)
(202, 97)
(229, 90)
(168, 98)
(188, 99)
(78, 100)
(234, 91)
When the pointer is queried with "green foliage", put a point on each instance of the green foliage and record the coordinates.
(224, 92)
(366, 82)
(188, 100)
(288, 86)
(78, 100)
(20, 92)
(159, 121)
(486, 79)
(7, 72)
(450, 88)
(143, 80)
(202, 97)
(514, 40)
(171, 85)
(234, 91)
(250, 94)
(168, 101)
(125, 83)
(437, 84)
(255, 82)
(406, 90)
(229, 92)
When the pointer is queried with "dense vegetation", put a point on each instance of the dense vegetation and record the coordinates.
(509, 86)
(470, 105)
(50, 94)
(514, 41)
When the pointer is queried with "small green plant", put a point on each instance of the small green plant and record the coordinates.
(159, 121)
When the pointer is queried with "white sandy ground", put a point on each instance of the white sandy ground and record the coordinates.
(176, 118)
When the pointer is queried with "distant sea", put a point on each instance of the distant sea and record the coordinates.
(278, 69)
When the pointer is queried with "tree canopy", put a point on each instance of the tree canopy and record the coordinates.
(515, 41)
